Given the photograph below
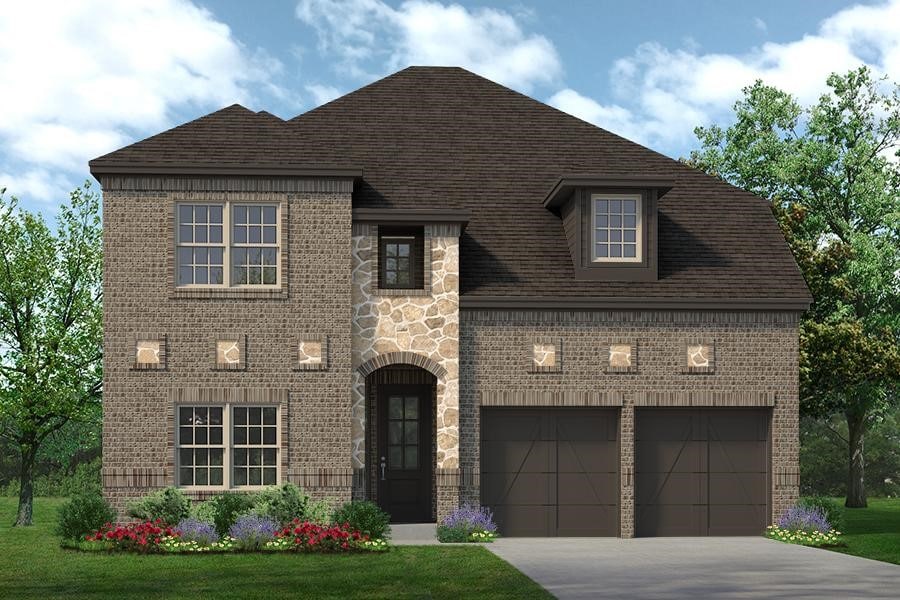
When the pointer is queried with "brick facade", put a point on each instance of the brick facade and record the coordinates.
(139, 296)
(756, 365)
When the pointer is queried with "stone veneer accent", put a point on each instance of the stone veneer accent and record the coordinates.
(391, 327)
(756, 364)
(138, 297)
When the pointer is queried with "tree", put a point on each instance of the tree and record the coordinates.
(50, 326)
(831, 171)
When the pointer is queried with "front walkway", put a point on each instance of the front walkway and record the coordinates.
(414, 534)
(670, 568)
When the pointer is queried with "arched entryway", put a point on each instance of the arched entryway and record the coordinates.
(401, 403)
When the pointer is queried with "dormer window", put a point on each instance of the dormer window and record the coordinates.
(616, 227)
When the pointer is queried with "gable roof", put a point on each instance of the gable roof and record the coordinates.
(439, 137)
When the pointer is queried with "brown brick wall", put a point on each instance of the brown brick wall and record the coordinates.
(137, 444)
(756, 364)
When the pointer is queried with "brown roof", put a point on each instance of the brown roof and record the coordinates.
(446, 138)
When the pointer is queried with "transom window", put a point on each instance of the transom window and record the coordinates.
(400, 258)
(226, 446)
(403, 432)
(228, 245)
(616, 227)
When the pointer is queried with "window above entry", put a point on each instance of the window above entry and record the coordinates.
(616, 220)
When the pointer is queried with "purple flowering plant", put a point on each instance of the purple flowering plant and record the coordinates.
(251, 532)
(803, 518)
(195, 530)
(468, 524)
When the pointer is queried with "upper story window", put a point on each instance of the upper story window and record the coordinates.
(227, 245)
(400, 257)
(616, 227)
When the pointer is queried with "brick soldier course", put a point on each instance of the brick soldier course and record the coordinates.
(488, 194)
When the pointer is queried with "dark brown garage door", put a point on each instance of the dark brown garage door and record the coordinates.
(547, 472)
(701, 472)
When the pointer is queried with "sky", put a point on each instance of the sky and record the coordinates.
(82, 78)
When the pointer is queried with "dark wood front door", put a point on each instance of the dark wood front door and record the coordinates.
(551, 471)
(403, 462)
(701, 472)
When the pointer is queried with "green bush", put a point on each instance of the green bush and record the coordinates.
(85, 479)
(452, 535)
(83, 514)
(320, 512)
(204, 511)
(366, 517)
(834, 512)
(281, 503)
(227, 507)
(169, 505)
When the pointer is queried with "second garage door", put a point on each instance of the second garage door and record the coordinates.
(701, 472)
(549, 472)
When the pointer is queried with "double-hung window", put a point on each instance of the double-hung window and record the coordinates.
(228, 446)
(228, 244)
(616, 228)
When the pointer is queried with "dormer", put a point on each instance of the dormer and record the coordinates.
(610, 223)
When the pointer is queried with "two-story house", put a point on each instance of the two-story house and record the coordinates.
(435, 290)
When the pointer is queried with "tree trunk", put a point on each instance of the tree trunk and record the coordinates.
(26, 486)
(856, 483)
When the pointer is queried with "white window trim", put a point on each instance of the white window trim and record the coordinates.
(227, 441)
(638, 237)
(227, 206)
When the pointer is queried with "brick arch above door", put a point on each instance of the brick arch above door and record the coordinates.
(401, 358)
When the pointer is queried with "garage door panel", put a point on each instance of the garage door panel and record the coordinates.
(525, 520)
(674, 488)
(524, 456)
(586, 520)
(551, 471)
(737, 488)
(670, 455)
(676, 520)
(736, 520)
(742, 457)
(715, 481)
(522, 488)
(587, 456)
(587, 488)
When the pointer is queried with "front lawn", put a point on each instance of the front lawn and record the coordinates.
(873, 532)
(32, 565)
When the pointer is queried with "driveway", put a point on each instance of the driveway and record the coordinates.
(697, 568)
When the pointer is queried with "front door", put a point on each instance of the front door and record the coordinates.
(403, 461)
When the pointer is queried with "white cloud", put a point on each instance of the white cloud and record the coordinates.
(82, 78)
(322, 93)
(370, 38)
(662, 94)
(37, 185)
(760, 24)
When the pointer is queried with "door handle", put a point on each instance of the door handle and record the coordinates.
(383, 465)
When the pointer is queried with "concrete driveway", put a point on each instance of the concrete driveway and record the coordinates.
(697, 568)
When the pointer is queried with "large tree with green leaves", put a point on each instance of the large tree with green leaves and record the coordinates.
(50, 326)
(831, 171)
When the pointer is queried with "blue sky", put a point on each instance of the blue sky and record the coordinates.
(84, 78)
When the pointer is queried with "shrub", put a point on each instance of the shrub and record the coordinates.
(168, 505)
(802, 518)
(281, 503)
(136, 537)
(83, 514)
(833, 512)
(365, 517)
(320, 512)
(204, 511)
(468, 524)
(251, 532)
(226, 508)
(201, 532)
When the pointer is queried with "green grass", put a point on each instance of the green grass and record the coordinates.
(873, 532)
(32, 565)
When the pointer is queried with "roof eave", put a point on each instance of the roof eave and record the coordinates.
(564, 185)
(99, 169)
(412, 216)
(631, 303)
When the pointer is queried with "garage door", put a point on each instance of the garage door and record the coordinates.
(548, 472)
(701, 472)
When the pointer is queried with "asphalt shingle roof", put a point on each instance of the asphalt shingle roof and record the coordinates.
(446, 138)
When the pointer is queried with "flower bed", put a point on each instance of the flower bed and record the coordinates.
(248, 534)
(816, 539)
(468, 524)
